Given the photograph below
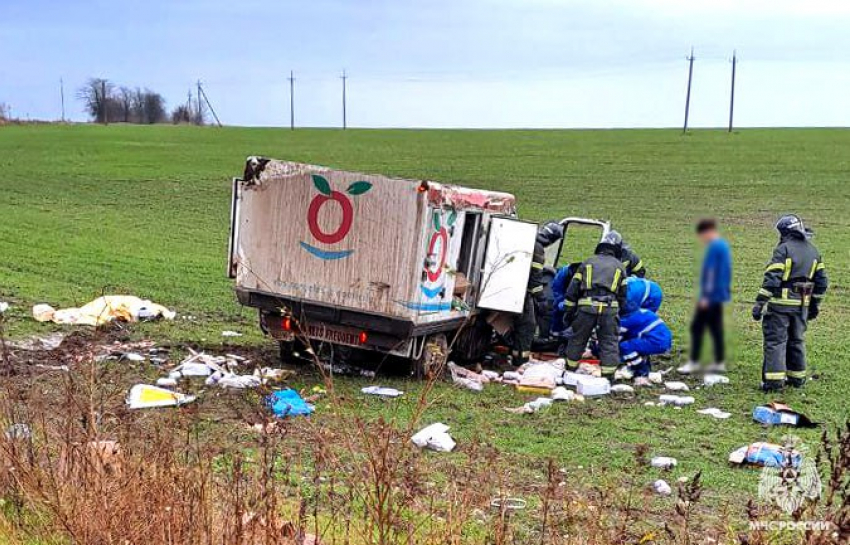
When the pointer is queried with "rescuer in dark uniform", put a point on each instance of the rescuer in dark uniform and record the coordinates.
(593, 300)
(525, 324)
(632, 262)
(794, 283)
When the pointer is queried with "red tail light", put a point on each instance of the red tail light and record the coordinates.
(287, 323)
(363, 337)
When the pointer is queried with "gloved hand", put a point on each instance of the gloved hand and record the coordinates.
(758, 312)
(562, 305)
(813, 311)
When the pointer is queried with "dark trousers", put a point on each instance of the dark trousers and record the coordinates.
(525, 326)
(710, 317)
(607, 325)
(784, 347)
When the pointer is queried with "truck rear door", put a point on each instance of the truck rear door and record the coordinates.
(507, 264)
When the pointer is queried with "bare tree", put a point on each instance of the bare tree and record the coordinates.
(125, 99)
(96, 94)
(4, 112)
(154, 107)
(182, 114)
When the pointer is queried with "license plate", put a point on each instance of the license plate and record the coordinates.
(333, 334)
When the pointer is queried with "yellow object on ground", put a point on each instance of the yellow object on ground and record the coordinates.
(127, 308)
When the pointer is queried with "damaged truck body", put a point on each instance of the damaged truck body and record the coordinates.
(371, 262)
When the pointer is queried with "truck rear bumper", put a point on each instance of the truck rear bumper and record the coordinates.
(384, 333)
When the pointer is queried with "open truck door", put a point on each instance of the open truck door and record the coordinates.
(507, 264)
(571, 254)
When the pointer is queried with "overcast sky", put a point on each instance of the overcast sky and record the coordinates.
(441, 63)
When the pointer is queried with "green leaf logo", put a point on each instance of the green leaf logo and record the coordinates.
(359, 188)
(437, 221)
(322, 185)
(452, 217)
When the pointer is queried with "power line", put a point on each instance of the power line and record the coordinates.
(209, 104)
(62, 97)
(688, 96)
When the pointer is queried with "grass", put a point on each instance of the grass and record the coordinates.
(144, 210)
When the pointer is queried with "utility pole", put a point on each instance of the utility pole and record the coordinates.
(688, 96)
(344, 121)
(200, 118)
(732, 94)
(104, 106)
(62, 97)
(203, 94)
(291, 101)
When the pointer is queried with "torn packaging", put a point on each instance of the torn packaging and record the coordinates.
(104, 309)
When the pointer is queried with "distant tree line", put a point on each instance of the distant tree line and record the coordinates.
(106, 102)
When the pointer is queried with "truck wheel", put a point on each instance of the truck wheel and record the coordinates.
(432, 362)
(292, 352)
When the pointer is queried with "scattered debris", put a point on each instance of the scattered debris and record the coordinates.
(675, 386)
(776, 413)
(764, 454)
(166, 382)
(664, 462)
(64, 368)
(233, 381)
(623, 373)
(678, 401)
(381, 391)
(229, 333)
(434, 437)
(145, 396)
(466, 378)
(4, 306)
(133, 356)
(18, 432)
(562, 394)
(288, 402)
(48, 343)
(662, 488)
(622, 389)
(593, 386)
(712, 380)
(102, 310)
(508, 504)
(715, 412)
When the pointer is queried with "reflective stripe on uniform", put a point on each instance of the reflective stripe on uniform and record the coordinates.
(572, 364)
(615, 284)
(786, 301)
(569, 303)
(779, 375)
(639, 266)
(797, 374)
(589, 275)
(646, 290)
(818, 295)
(788, 266)
(577, 276)
(766, 293)
(775, 267)
(608, 370)
(820, 267)
(814, 268)
(588, 302)
(650, 327)
(536, 265)
(536, 289)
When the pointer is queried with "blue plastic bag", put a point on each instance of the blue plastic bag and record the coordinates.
(287, 402)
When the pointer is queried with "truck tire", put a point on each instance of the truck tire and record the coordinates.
(432, 363)
(292, 352)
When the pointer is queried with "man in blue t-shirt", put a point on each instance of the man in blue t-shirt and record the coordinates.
(715, 290)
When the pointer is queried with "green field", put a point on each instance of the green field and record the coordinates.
(144, 210)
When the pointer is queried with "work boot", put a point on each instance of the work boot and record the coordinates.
(796, 382)
(689, 368)
(718, 368)
(772, 386)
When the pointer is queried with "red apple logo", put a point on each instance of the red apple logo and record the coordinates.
(326, 195)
